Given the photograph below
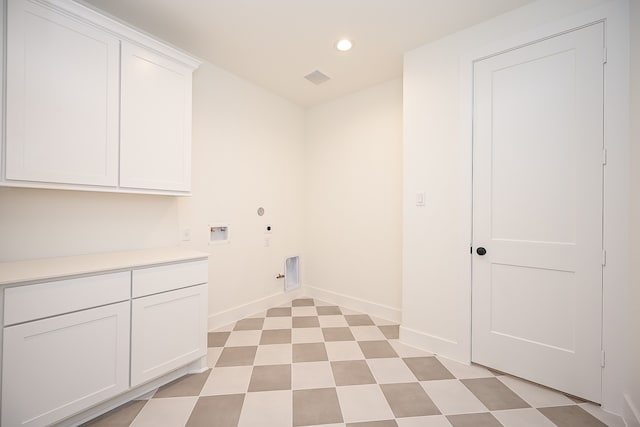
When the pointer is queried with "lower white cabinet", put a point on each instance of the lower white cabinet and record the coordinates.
(168, 330)
(58, 366)
(98, 327)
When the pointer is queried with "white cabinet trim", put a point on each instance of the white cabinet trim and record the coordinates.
(119, 28)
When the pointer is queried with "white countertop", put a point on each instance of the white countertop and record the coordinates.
(55, 268)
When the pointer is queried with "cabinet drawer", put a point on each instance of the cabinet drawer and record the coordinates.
(148, 281)
(30, 302)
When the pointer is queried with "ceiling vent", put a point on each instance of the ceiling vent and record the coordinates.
(316, 77)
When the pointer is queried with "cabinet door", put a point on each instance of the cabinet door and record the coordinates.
(62, 99)
(168, 331)
(155, 140)
(56, 367)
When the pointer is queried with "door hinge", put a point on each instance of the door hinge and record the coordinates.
(604, 257)
(602, 359)
(604, 156)
(604, 55)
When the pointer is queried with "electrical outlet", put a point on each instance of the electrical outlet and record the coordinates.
(186, 234)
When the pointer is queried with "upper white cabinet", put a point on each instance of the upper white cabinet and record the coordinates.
(62, 99)
(155, 141)
(93, 104)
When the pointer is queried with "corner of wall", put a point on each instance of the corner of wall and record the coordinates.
(630, 413)
(632, 389)
(353, 196)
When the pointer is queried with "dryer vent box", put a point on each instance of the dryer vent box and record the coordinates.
(292, 273)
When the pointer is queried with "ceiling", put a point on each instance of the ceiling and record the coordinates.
(275, 43)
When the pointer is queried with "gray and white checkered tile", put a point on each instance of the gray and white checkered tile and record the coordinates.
(314, 364)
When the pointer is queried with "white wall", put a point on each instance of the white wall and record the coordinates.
(353, 194)
(247, 153)
(47, 223)
(437, 160)
(633, 379)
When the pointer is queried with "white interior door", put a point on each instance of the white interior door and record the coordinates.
(537, 211)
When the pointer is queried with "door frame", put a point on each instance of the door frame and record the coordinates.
(616, 242)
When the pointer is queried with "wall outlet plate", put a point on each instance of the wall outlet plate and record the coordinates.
(185, 234)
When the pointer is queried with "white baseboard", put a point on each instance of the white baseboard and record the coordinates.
(630, 413)
(433, 344)
(199, 366)
(218, 320)
(138, 393)
(356, 304)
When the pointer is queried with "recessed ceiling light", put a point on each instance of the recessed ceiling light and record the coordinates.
(344, 45)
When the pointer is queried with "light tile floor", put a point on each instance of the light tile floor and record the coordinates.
(312, 363)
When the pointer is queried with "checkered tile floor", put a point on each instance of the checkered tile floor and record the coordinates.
(311, 364)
